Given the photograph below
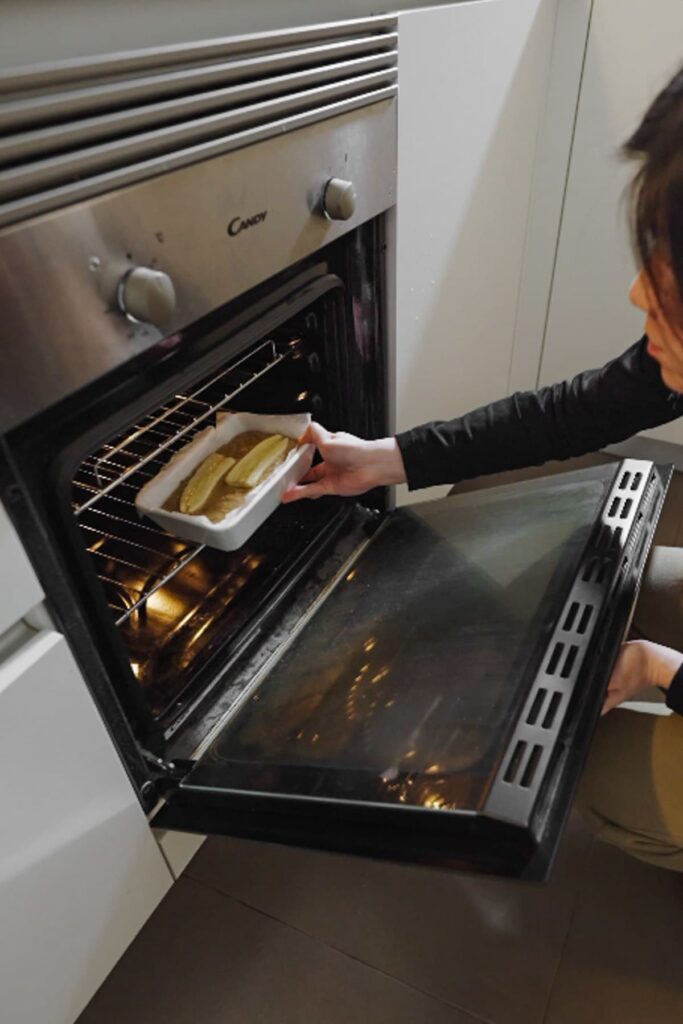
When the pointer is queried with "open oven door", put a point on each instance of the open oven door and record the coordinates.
(437, 705)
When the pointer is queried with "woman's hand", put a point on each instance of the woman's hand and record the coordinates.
(641, 664)
(350, 465)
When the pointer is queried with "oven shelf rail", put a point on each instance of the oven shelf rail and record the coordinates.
(143, 555)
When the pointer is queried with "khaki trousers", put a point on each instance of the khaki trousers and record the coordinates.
(632, 787)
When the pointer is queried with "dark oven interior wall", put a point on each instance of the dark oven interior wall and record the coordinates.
(41, 458)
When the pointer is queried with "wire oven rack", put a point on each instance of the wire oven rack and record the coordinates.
(135, 558)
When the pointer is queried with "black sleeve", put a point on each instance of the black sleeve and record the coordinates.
(674, 695)
(596, 408)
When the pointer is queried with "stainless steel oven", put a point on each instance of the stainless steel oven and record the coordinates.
(186, 232)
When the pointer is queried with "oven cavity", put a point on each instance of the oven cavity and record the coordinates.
(179, 607)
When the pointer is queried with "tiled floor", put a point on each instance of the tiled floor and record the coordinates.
(259, 934)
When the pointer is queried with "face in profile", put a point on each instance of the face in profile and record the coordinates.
(663, 308)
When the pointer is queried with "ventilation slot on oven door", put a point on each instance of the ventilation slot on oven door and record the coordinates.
(174, 603)
(81, 128)
(613, 559)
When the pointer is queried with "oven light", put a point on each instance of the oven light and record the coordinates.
(434, 800)
(302, 396)
(161, 603)
(198, 633)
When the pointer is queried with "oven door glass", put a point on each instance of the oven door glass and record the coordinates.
(382, 729)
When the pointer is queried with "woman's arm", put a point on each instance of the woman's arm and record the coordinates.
(595, 408)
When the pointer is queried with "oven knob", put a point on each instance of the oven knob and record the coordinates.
(147, 296)
(339, 199)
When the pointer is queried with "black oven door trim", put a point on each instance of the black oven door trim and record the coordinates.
(514, 825)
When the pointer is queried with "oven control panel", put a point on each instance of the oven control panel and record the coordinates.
(339, 199)
(147, 296)
(119, 273)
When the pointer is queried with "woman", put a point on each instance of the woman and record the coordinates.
(633, 783)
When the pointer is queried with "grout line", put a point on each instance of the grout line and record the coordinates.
(572, 917)
(343, 952)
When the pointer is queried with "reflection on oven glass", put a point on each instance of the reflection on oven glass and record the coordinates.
(403, 686)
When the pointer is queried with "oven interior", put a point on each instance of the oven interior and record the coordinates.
(170, 617)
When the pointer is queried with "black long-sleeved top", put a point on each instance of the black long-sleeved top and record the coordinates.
(594, 409)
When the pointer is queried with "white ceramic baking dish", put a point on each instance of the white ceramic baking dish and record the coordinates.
(238, 526)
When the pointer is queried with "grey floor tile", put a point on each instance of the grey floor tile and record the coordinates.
(622, 961)
(204, 959)
(487, 945)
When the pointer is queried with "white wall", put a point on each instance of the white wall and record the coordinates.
(633, 49)
(472, 90)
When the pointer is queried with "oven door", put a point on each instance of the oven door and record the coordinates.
(437, 705)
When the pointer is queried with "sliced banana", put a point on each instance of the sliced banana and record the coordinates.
(250, 463)
(267, 463)
(198, 488)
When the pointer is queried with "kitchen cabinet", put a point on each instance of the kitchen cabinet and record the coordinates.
(80, 870)
(473, 80)
(633, 49)
(20, 589)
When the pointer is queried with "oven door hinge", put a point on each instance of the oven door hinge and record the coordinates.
(166, 774)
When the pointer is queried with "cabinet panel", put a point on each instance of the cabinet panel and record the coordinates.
(80, 871)
(632, 51)
(20, 589)
(472, 82)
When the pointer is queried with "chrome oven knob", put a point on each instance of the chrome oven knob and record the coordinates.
(147, 296)
(339, 199)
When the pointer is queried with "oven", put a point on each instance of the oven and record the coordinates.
(189, 233)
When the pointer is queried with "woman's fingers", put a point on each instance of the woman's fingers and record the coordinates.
(314, 473)
(611, 701)
(298, 491)
(613, 698)
(314, 434)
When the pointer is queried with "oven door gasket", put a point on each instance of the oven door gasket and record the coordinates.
(516, 830)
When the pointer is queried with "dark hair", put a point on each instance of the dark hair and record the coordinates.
(657, 189)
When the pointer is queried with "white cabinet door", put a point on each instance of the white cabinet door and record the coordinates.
(80, 870)
(633, 49)
(19, 589)
(472, 83)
